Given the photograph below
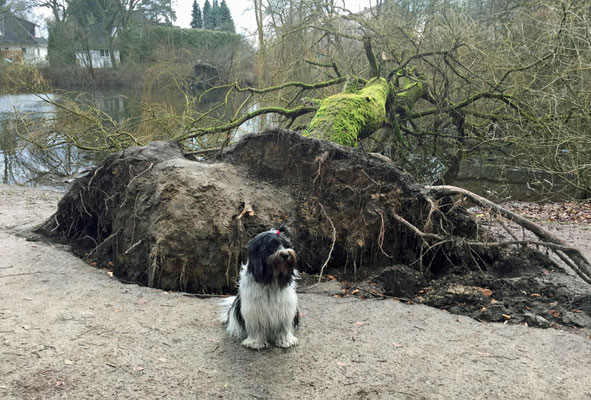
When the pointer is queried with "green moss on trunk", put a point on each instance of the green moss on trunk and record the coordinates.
(345, 117)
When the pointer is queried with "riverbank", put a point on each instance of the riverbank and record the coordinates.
(68, 330)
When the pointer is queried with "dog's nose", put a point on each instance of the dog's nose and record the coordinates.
(285, 255)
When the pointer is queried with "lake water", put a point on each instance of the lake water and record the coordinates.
(24, 163)
(50, 165)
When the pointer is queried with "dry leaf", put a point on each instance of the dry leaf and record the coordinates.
(110, 273)
(506, 316)
(332, 278)
(535, 295)
(554, 313)
(359, 323)
(486, 292)
(355, 291)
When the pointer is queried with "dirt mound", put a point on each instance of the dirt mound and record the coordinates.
(165, 221)
(161, 219)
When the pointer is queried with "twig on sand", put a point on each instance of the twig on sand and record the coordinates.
(32, 273)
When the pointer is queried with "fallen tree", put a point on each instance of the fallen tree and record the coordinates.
(160, 218)
(167, 221)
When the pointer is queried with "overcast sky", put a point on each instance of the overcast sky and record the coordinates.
(243, 12)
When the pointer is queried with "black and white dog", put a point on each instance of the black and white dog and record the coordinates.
(265, 311)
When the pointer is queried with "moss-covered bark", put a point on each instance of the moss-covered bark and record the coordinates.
(345, 117)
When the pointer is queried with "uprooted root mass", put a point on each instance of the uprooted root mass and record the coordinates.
(160, 218)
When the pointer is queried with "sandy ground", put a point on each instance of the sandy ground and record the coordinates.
(68, 330)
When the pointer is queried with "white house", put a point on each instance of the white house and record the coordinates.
(20, 40)
(96, 53)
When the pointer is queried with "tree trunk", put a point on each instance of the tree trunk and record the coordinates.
(347, 117)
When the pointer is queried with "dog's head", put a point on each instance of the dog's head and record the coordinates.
(271, 258)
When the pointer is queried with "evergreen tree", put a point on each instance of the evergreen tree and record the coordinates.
(208, 17)
(196, 21)
(225, 21)
(215, 15)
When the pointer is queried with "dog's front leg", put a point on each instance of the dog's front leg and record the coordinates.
(255, 342)
(286, 339)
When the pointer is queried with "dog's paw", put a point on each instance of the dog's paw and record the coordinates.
(255, 344)
(287, 341)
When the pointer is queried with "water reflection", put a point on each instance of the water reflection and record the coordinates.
(52, 162)
(51, 165)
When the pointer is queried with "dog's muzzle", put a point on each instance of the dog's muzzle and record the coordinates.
(283, 262)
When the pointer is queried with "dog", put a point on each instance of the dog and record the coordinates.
(265, 310)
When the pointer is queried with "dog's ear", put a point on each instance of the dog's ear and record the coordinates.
(284, 229)
(256, 265)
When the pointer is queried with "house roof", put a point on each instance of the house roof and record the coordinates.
(15, 30)
(97, 35)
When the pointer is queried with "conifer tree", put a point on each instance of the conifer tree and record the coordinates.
(208, 17)
(196, 19)
(215, 11)
(226, 23)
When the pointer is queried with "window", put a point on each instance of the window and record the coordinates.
(104, 53)
(24, 50)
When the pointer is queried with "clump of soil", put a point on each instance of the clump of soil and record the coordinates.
(522, 288)
(162, 219)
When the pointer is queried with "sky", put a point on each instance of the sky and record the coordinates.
(243, 12)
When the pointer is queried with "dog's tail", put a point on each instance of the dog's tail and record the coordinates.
(226, 305)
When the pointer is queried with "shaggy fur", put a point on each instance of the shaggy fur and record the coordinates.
(265, 310)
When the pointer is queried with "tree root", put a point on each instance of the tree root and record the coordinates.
(569, 255)
(334, 239)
